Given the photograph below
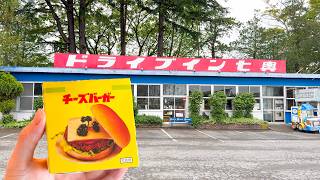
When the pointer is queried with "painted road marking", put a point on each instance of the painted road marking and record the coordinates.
(8, 135)
(165, 132)
(238, 131)
(209, 135)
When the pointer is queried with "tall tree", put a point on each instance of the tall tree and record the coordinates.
(123, 24)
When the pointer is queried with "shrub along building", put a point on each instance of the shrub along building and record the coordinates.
(161, 86)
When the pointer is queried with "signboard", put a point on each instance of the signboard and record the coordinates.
(294, 114)
(307, 95)
(168, 63)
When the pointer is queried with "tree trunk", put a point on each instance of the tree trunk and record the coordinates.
(82, 27)
(123, 15)
(161, 29)
(70, 16)
(213, 50)
(172, 38)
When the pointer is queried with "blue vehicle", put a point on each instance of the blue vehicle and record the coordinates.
(306, 121)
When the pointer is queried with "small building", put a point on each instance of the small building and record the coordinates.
(165, 93)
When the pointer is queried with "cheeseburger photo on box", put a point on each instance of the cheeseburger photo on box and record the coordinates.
(90, 125)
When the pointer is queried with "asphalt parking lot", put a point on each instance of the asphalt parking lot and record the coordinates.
(212, 154)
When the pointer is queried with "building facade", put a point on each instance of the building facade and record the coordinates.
(166, 93)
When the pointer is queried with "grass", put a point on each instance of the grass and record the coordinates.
(240, 121)
(15, 124)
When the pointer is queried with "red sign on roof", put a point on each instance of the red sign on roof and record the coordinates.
(168, 63)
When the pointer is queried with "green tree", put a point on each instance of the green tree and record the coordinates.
(217, 105)
(10, 88)
(21, 36)
(243, 105)
(195, 102)
(301, 25)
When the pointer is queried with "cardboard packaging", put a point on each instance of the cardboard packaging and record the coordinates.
(90, 125)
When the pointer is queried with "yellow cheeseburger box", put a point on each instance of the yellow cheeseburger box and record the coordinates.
(90, 125)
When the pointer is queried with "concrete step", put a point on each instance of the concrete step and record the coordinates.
(282, 127)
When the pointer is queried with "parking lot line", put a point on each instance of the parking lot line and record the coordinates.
(165, 132)
(8, 135)
(209, 135)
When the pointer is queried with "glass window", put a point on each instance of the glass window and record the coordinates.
(243, 89)
(142, 90)
(278, 104)
(268, 116)
(168, 102)
(206, 90)
(290, 102)
(206, 104)
(168, 89)
(230, 91)
(180, 89)
(255, 90)
(180, 103)
(179, 114)
(193, 88)
(257, 105)
(144, 93)
(267, 104)
(229, 104)
(26, 103)
(27, 89)
(142, 103)
(154, 90)
(154, 103)
(290, 92)
(218, 88)
(37, 89)
(272, 91)
(132, 89)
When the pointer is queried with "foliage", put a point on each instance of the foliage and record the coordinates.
(135, 107)
(243, 105)
(15, 124)
(243, 121)
(7, 118)
(195, 102)
(147, 120)
(258, 42)
(10, 88)
(38, 103)
(217, 105)
(6, 106)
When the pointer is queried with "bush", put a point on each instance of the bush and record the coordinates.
(195, 102)
(217, 105)
(243, 105)
(148, 120)
(6, 106)
(245, 121)
(135, 107)
(38, 103)
(10, 88)
(16, 124)
(7, 118)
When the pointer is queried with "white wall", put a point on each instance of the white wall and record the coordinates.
(21, 115)
(151, 113)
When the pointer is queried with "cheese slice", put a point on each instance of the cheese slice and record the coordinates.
(73, 125)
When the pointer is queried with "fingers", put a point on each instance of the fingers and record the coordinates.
(113, 174)
(27, 142)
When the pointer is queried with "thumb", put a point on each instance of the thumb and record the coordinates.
(27, 142)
